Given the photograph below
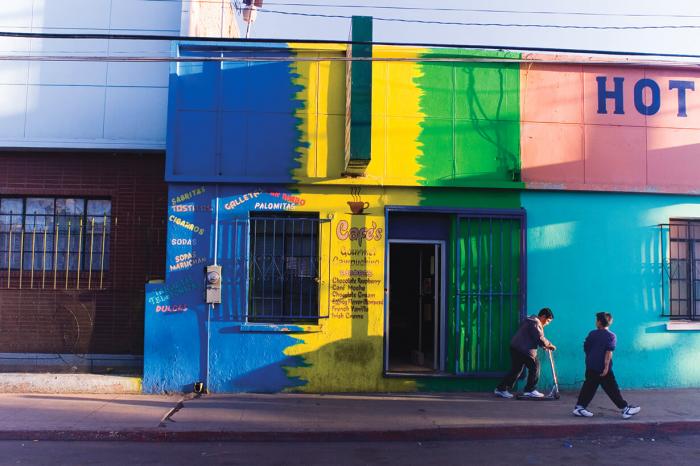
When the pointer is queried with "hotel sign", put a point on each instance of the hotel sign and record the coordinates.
(647, 95)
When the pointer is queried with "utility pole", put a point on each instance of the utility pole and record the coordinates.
(250, 13)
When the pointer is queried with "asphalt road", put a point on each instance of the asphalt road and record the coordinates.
(675, 450)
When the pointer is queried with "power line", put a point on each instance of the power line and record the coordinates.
(447, 9)
(466, 10)
(475, 23)
(478, 10)
(339, 58)
(214, 41)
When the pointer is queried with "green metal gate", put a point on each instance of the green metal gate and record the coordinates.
(490, 290)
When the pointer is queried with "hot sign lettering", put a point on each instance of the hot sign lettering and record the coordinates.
(612, 92)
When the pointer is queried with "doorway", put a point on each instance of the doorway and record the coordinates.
(415, 310)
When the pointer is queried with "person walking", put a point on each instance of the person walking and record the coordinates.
(523, 353)
(599, 346)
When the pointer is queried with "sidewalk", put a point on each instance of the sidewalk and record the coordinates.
(292, 417)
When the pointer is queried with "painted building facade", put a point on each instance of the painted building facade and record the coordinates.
(82, 196)
(386, 227)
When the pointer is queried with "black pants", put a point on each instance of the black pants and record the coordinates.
(609, 384)
(519, 360)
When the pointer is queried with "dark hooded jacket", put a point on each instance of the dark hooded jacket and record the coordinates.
(529, 336)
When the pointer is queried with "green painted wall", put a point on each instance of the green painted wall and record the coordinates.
(471, 126)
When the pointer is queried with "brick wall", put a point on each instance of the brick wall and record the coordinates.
(80, 320)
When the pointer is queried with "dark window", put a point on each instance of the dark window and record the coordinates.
(46, 233)
(684, 269)
(284, 251)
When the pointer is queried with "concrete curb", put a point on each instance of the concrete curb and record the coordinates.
(79, 384)
(629, 428)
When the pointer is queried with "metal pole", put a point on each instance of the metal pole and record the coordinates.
(92, 242)
(102, 252)
(21, 256)
(31, 284)
(55, 256)
(9, 254)
(211, 306)
(43, 260)
(68, 255)
(80, 253)
(216, 231)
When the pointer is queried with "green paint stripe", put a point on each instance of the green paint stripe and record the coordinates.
(470, 133)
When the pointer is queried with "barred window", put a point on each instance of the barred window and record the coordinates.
(684, 268)
(52, 233)
(284, 251)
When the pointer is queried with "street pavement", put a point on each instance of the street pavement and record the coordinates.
(335, 417)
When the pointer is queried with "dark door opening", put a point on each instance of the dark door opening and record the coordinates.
(413, 339)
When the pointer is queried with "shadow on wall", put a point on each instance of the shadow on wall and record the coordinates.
(471, 126)
(344, 365)
(321, 149)
(560, 161)
(315, 362)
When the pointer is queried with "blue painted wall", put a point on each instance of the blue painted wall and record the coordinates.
(592, 252)
(232, 120)
(182, 333)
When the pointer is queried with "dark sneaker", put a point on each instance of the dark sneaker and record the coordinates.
(630, 411)
(580, 411)
(503, 393)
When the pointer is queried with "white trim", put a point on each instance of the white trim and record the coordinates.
(680, 325)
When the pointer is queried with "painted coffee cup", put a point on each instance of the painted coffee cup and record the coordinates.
(356, 207)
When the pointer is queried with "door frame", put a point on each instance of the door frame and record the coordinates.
(440, 285)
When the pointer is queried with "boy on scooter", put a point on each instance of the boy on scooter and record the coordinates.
(523, 353)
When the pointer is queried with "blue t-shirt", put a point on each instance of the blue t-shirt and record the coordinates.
(597, 343)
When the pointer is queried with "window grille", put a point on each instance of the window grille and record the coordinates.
(682, 269)
(284, 270)
(42, 237)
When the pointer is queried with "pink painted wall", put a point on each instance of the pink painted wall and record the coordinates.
(567, 144)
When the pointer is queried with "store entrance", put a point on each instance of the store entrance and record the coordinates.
(415, 316)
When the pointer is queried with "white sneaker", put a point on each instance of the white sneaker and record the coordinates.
(533, 394)
(630, 411)
(503, 393)
(580, 411)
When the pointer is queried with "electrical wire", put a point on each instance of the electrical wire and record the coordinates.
(242, 42)
(475, 23)
(302, 59)
(444, 9)
(477, 10)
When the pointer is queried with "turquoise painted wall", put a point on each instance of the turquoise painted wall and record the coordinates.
(590, 252)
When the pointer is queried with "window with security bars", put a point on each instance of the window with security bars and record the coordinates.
(284, 267)
(684, 268)
(51, 233)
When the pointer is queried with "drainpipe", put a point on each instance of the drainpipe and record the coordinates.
(211, 305)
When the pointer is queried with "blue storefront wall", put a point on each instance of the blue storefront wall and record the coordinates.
(591, 252)
(184, 341)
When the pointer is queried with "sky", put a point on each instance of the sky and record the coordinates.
(667, 37)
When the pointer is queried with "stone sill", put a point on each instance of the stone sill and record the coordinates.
(682, 325)
(280, 328)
